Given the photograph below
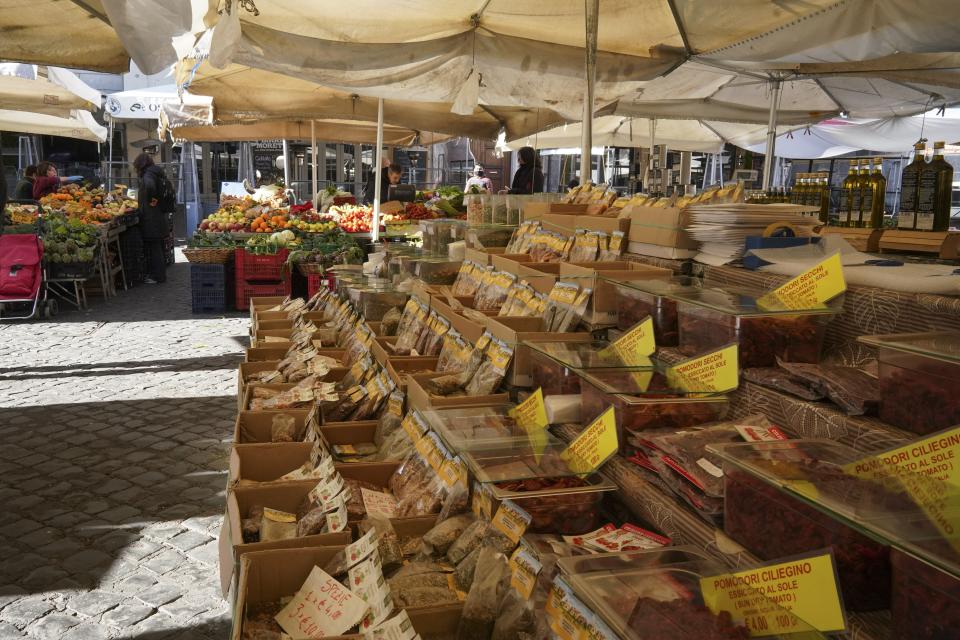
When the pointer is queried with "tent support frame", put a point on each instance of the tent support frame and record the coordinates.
(771, 146)
(313, 158)
(378, 176)
(591, 9)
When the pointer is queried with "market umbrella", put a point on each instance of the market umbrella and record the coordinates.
(57, 94)
(81, 126)
(241, 92)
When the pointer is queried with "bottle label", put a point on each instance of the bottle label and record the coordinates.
(907, 217)
(926, 200)
(844, 208)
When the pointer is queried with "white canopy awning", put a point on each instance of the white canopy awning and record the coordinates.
(81, 126)
(57, 93)
(147, 103)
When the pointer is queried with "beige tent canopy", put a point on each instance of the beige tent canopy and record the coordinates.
(39, 96)
(81, 125)
(70, 34)
(245, 93)
(327, 130)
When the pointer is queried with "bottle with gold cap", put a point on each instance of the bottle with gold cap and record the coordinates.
(796, 195)
(824, 194)
(909, 185)
(934, 192)
(874, 196)
(863, 216)
(851, 185)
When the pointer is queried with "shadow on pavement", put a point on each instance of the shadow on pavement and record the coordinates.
(97, 492)
(208, 363)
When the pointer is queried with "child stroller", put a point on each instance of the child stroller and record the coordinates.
(21, 277)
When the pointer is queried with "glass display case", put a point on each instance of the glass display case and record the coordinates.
(709, 318)
(919, 379)
(555, 366)
(637, 299)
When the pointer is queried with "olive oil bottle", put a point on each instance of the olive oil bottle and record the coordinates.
(909, 184)
(934, 191)
(823, 183)
(873, 212)
(846, 196)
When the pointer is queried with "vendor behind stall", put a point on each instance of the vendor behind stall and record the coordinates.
(391, 176)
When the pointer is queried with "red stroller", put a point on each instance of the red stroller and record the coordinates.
(21, 276)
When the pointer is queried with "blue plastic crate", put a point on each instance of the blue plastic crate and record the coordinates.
(211, 287)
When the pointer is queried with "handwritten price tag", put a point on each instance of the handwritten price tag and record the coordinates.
(322, 607)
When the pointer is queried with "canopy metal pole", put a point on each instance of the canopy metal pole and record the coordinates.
(591, 12)
(286, 165)
(653, 143)
(110, 156)
(771, 147)
(378, 176)
(313, 156)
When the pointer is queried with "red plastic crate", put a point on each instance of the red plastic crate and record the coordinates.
(317, 281)
(246, 290)
(250, 267)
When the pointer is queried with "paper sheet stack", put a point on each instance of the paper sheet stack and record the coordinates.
(722, 229)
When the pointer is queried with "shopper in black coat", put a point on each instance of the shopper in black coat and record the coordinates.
(153, 198)
(528, 177)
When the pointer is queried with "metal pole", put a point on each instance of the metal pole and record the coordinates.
(771, 147)
(313, 155)
(286, 165)
(378, 176)
(110, 156)
(591, 9)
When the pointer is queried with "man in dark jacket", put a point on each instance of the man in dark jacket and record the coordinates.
(391, 175)
(154, 221)
(24, 190)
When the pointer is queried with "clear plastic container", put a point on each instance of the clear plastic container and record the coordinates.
(473, 428)
(643, 400)
(498, 210)
(656, 595)
(489, 235)
(710, 318)
(475, 204)
(566, 506)
(554, 366)
(439, 234)
(637, 299)
(373, 302)
(919, 379)
(925, 601)
(766, 510)
(519, 459)
(439, 271)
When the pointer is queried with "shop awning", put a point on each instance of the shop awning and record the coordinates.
(147, 103)
(81, 126)
(56, 92)
(240, 93)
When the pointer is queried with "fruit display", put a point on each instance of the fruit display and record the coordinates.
(19, 214)
(352, 218)
(91, 206)
(68, 240)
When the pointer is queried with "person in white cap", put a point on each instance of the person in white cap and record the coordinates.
(479, 180)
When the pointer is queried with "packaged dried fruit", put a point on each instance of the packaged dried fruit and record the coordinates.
(709, 318)
(644, 400)
(554, 366)
(655, 595)
(919, 379)
(567, 505)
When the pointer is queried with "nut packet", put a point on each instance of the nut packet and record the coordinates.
(491, 371)
(277, 525)
(490, 584)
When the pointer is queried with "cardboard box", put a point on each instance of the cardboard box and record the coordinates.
(276, 386)
(471, 330)
(260, 354)
(258, 305)
(376, 473)
(357, 432)
(255, 426)
(534, 209)
(565, 208)
(269, 576)
(509, 262)
(418, 398)
(561, 223)
(603, 223)
(266, 462)
(658, 251)
(603, 302)
(515, 331)
(247, 369)
(285, 496)
(663, 227)
(399, 367)
(482, 257)
(379, 352)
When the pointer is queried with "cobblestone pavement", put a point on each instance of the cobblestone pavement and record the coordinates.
(114, 431)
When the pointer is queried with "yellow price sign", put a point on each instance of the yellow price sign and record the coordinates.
(531, 416)
(594, 446)
(786, 597)
(717, 371)
(812, 288)
(636, 345)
